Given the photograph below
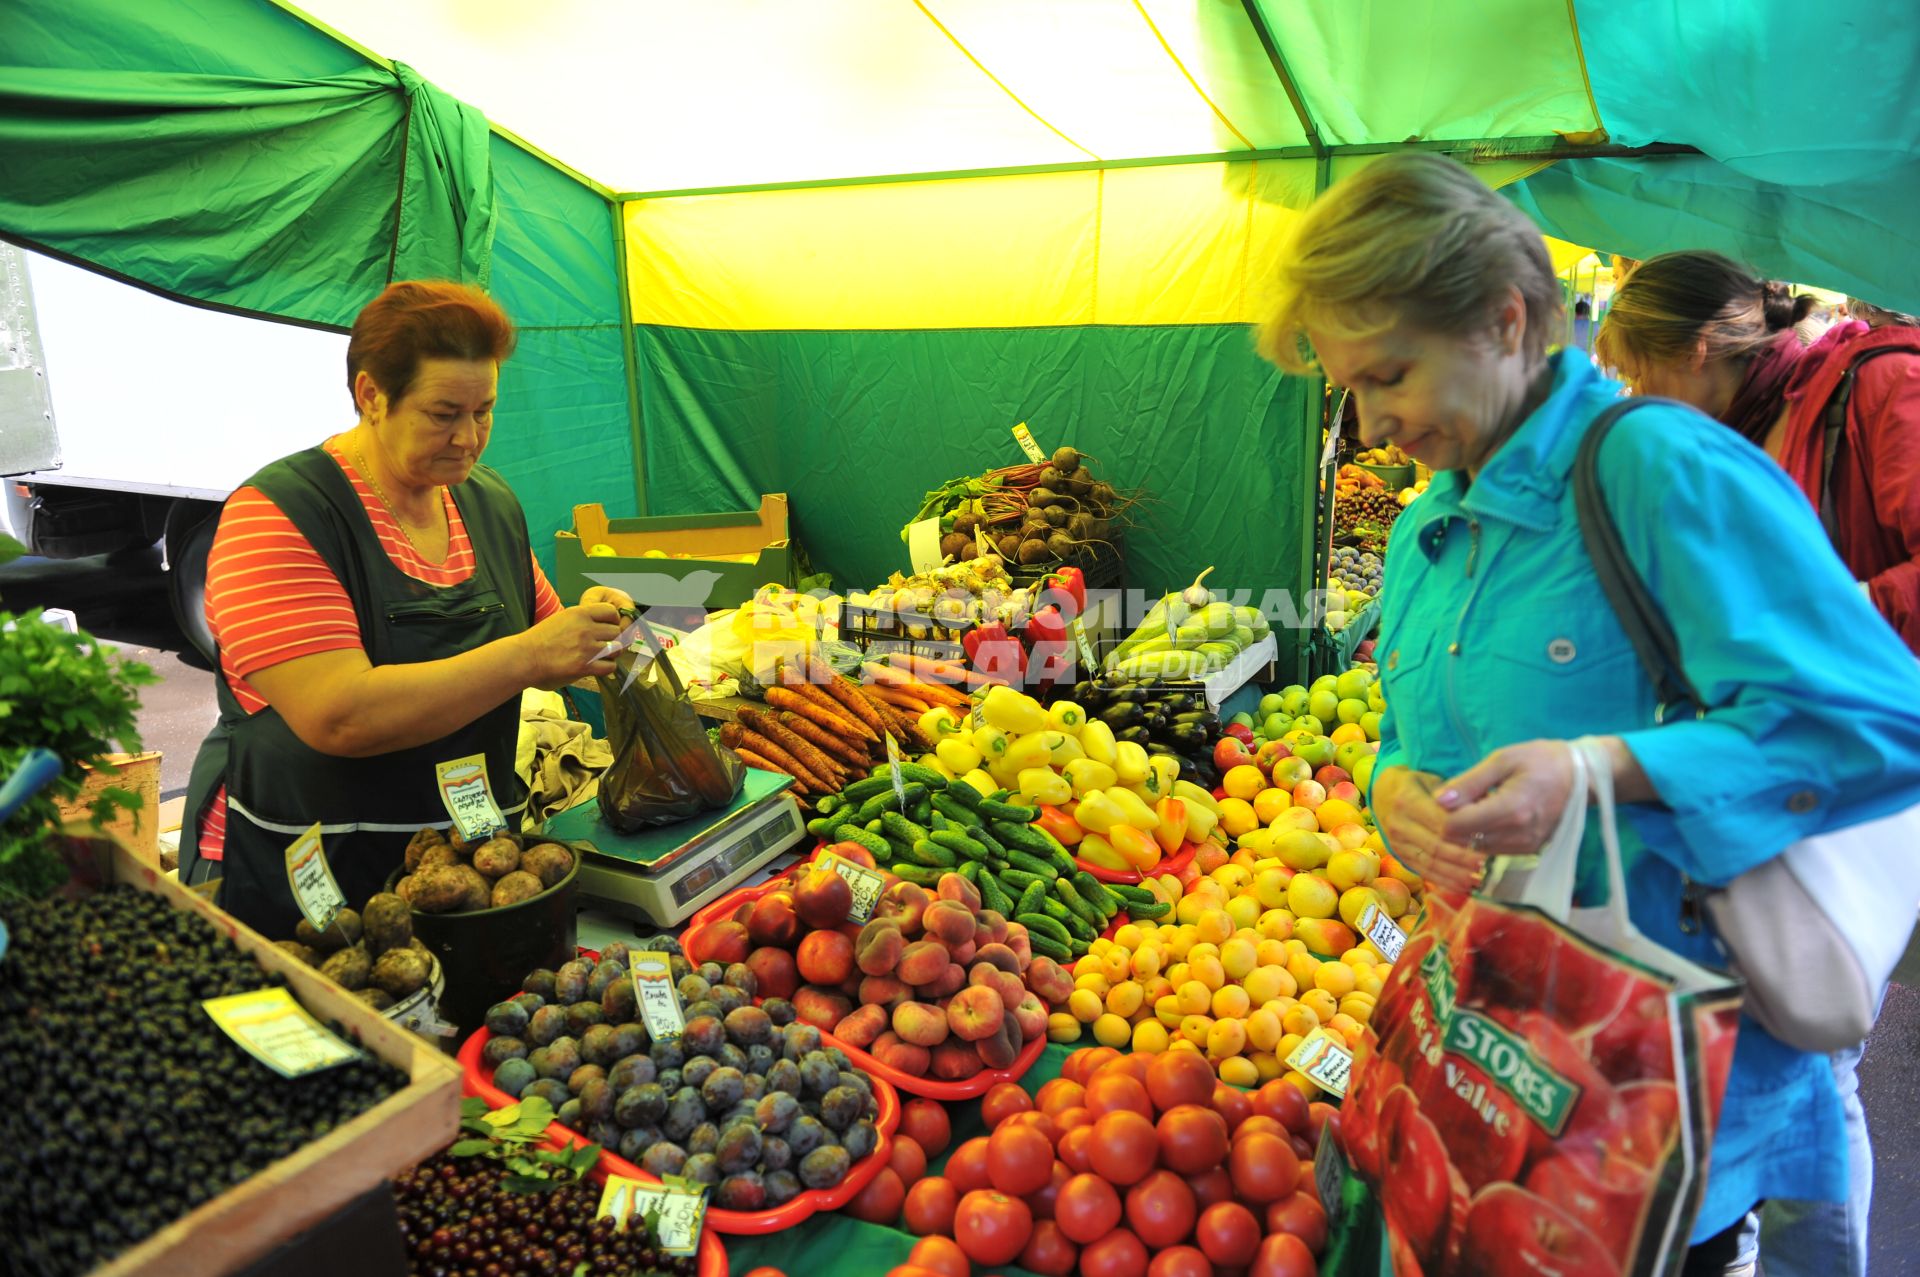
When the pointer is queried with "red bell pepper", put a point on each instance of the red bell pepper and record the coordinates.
(1067, 591)
(1052, 646)
(994, 652)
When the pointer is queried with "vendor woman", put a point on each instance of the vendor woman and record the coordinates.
(378, 612)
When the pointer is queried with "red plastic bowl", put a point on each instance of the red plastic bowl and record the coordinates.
(478, 1081)
(693, 938)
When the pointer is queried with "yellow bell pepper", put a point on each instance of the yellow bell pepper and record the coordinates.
(1135, 846)
(1098, 813)
(939, 723)
(1201, 821)
(1137, 813)
(981, 782)
(1089, 777)
(1096, 850)
(1173, 824)
(1162, 772)
(933, 761)
(1043, 785)
(1013, 712)
(958, 753)
(1067, 717)
(1130, 762)
(991, 742)
(1035, 749)
(1067, 749)
(1193, 796)
(1096, 738)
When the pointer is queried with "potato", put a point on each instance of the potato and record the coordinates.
(400, 972)
(387, 922)
(348, 968)
(311, 956)
(341, 932)
(496, 857)
(417, 846)
(404, 888)
(378, 999)
(438, 854)
(549, 861)
(515, 887)
(479, 892)
(441, 889)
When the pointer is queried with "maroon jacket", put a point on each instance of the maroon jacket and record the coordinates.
(1876, 481)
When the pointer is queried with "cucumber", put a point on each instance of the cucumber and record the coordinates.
(1094, 894)
(910, 773)
(970, 870)
(959, 813)
(874, 843)
(861, 790)
(1019, 878)
(1127, 891)
(991, 896)
(916, 873)
(1024, 837)
(938, 822)
(993, 845)
(1058, 852)
(921, 812)
(822, 827)
(1032, 864)
(1142, 913)
(1048, 947)
(998, 796)
(966, 795)
(829, 804)
(955, 840)
(1081, 909)
(898, 826)
(1030, 899)
(931, 854)
(1040, 924)
(994, 809)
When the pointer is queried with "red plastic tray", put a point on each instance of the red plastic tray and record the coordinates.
(691, 941)
(478, 1081)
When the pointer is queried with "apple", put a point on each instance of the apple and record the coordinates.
(1331, 775)
(1270, 753)
(1293, 700)
(1318, 752)
(1272, 703)
(1363, 774)
(1274, 725)
(1242, 734)
(1290, 771)
(1309, 794)
(1231, 752)
(1347, 756)
(1242, 719)
(1311, 724)
(1515, 1233)
(1346, 791)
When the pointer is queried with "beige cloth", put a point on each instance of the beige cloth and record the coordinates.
(559, 758)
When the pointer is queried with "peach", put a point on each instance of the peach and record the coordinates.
(1050, 980)
(855, 853)
(923, 962)
(957, 889)
(773, 920)
(728, 942)
(820, 1007)
(885, 991)
(905, 903)
(1393, 894)
(920, 1024)
(744, 910)
(1002, 1048)
(1331, 775)
(996, 924)
(904, 1056)
(1011, 988)
(1020, 942)
(878, 950)
(863, 1026)
(822, 898)
(1325, 935)
(1309, 794)
(1031, 1012)
(1209, 857)
(999, 956)
(775, 974)
(975, 1013)
(964, 951)
(949, 921)
(953, 981)
(955, 1061)
(825, 957)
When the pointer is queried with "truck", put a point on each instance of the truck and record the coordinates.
(127, 418)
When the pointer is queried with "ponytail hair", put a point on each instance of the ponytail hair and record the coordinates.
(1673, 303)
(1776, 304)
(1803, 306)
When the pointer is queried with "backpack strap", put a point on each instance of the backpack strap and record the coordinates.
(1833, 418)
(1638, 611)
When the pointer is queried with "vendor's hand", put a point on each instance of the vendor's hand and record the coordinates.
(567, 645)
(606, 594)
(1415, 828)
(1511, 801)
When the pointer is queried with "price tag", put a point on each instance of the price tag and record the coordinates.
(1329, 1174)
(277, 1031)
(659, 1001)
(867, 885)
(1024, 437)
(469, 798)
(923, 545)
(1084, 645)
(677, 1213)
(893, 766)
(1387, 937)
(1324, 1058)
(314, 890)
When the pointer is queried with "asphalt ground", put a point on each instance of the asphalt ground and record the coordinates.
(122, 599)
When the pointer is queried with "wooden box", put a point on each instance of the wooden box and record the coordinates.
(139, 829)
(302, 1190)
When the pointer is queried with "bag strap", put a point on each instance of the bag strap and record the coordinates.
(1833, 419)
(1638, 611)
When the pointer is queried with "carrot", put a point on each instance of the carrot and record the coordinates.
(839, 748)
(735, 736)
(899, 724)
(823, 698)
(847, 693)
(752, 759)
(929, 670)
(810, 758)
(901, 700)
(886, 676)
(828, 717)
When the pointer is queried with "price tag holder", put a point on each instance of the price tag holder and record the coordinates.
(659, 1001)
(677, 1213)
(1330, 1174)
(1376, 926)
(893, 768)
(1324, 1058)
(314, 890)
(923, 545)
(469, 797)
(1024, 437)
(277, 1031)
(1084, 645)
(867, 885)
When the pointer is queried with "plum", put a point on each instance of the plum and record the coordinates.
(628, 1039)
(741, 977)
(636, 1143)
(744, 1191)
(799, 1039)
(704, 1007)
(619, 1003)
(704, 1139)
(807, 1134)
(578, 1079)
(703, 1035)
(596, 1046)
(596, 1099)
(701, 1168)
(540, 984)
(776, 1112)
(780, 1011)
(582, 1016)
(738, 1148)
(723, 1088)
(693, 989)
(546, 1024)
(514, 1076)
(713, 973)
(667, 1053)
(531, 1001)
(748, 1027)
(860, 1139)
(499, 1050)
(570, 981)
(664, 1158)
(782, 1187)
(784, 1076)
(731, 1057)
(841, 1107)
(684, 1112)
(775, 1153)
(818, 1075)
(752, 1087)
(825, 1166)
(728, 998)
(760, 1058)
(631, 1071)
(642, 1105)
(507, 1019)
(569, 1114)
(697, 1070)
(619, 952)
(552, 1090)
(562, 1058)
(604, 977)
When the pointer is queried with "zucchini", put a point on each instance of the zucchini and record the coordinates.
(1081, 909)
(1032, 864)
(1041, 924)
(954, 840)
(874, 843)
(993, 809)
(1048, 947)
(1030, 899)
(991, 896)
(931, 854)
(916, 873)
(898, 826)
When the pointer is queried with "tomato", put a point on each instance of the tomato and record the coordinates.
(1125, 1147)
(930, 1205)
(1118, 1254)
(1048, 1251)
(926, 1121)
(1180, 1261)
(766, 1272)
(880, 1201)
(1020, 1160)
(1301, 1149)
(1087, 1208)
(1301, 1216)
(1076, 1149)
(1042, 1202)
(1284, 1256)
(1180, 1077)
(1309, 1182)
(1211, 1186)
(1066, 1119)
(1002, 1102)
(1261, 1125)
(1111, 1092)
(1319, 1113)
(992, 1227)
(1191, 1138)
(1284, 1103)
(1228, 1233)
(1229, 1102)
(1082, 1063)
(908, 1160)
(1059, 1094)
(1264, 1168)
(913, 1270)
(1133, 1066)
(967, 1168)
(942, 1255)
(1037, 1121)
(1161, 1209)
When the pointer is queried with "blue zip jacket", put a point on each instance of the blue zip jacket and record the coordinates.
(1495, 631)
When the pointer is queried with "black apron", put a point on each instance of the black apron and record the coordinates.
(368, 808)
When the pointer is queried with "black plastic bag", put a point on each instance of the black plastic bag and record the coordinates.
(664, 766)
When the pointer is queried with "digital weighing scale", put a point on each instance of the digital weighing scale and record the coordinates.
(662, 875)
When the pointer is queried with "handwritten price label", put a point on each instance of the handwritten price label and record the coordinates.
(1324, 1058)
(1024, 437)
(1387, 937)
(893, 766)
(277, 1031)
(659, 1001)
(677, 1214)
(469, 798)
(867, 885)
(314, 890)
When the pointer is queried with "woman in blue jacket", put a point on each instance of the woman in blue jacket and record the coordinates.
(1431, 299)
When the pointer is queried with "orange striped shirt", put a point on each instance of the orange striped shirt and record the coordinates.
(271, 598)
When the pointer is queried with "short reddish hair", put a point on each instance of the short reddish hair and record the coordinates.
(415, 319)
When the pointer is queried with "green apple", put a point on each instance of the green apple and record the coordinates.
(1273, 703)
(1318, 751)
(1348, 756)
(1350, 710)
(1275, 726)
(1363, 772)
(1376, 699)
(1309, 723)
(1370, 724)
(1353, 684)
(1293, 700)
(1324, 705)
(1242, 720)
(1325, 683)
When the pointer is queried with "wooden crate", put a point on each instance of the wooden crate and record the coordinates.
(299, 1191)
(138, 829)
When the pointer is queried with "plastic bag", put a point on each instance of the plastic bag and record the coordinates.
(665, 768)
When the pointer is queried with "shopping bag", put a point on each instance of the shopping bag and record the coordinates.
(665, 768)
(1538, 1089)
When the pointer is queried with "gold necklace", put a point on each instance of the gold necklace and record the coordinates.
(361, 459)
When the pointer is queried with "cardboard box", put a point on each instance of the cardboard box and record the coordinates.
(697, 560)
(139, 830)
